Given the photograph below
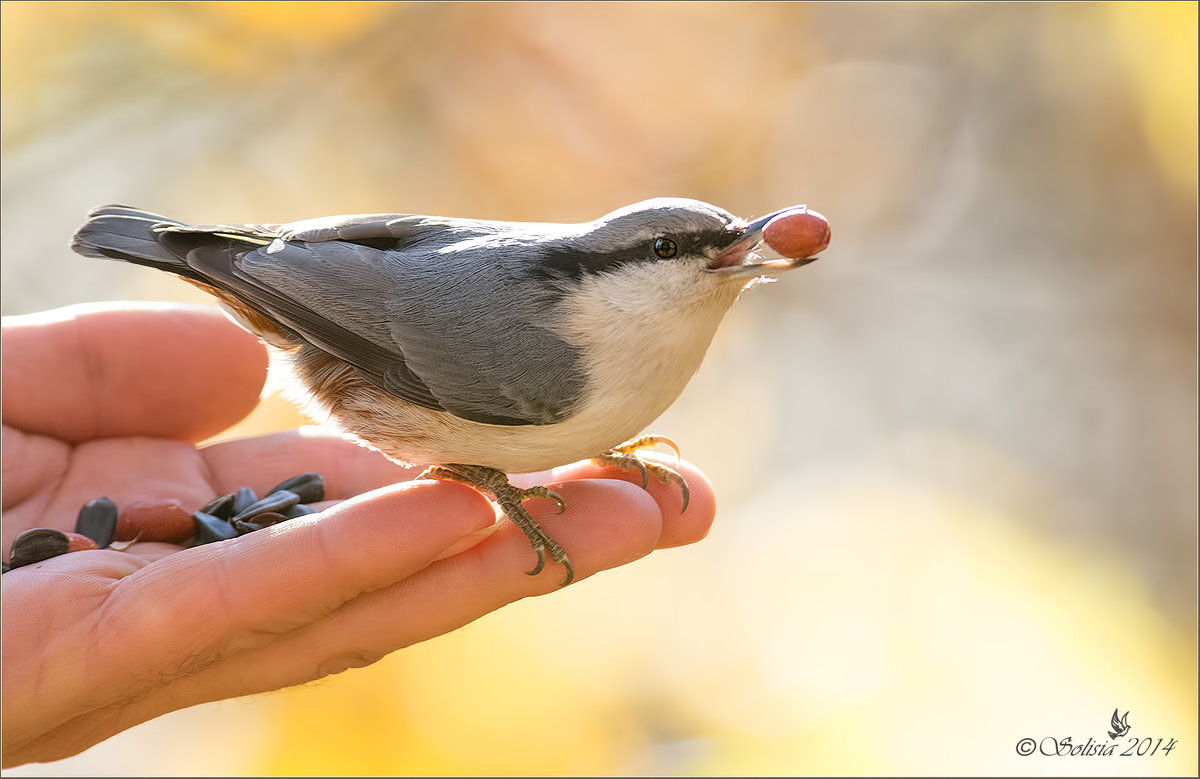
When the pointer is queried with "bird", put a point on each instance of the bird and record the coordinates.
(1120, 725)
(476, 347)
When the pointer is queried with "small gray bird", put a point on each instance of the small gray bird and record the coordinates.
(480, 347)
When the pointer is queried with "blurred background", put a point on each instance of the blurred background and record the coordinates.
(956, 459)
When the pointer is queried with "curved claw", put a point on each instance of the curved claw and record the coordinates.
(544, 492)
(644, 471)
(541, 561)
(554, 496)
(558, 556)
(667, 476)
(662, 440)
(649, 442)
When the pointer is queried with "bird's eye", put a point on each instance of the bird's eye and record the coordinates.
(665, 248)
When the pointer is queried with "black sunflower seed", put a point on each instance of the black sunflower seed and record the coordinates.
(276, 501)
(299, 510)
(243, 528)
(37, 544)
(98, 521)
(244, 497)
(309, 486)
(220, 507)
(268, 518)
(210, 529)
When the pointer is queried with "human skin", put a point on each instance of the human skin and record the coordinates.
(113, 400)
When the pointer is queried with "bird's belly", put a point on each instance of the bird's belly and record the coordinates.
(615, 409)
(412, 434)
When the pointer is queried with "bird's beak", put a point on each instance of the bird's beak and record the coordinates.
(734, 259)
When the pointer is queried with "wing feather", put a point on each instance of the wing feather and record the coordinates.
(374, 291)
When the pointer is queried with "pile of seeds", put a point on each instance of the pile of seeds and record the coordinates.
(227, 516)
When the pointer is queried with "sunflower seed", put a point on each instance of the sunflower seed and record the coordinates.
(98, 521)
(276, 501)
(210, 529)
(244, 497)
(299, 510)
(37, 544)
(243, 528)
(220, 507)
(309, 486)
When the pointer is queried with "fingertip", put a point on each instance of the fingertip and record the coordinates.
(426, 514)
(681, 524)
(611, 520)
(101, 370)
(689, 524)
(243, 362)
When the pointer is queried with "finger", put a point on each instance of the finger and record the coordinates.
(350, 469)
(679, 526)
(201, 605)
(606, 524)
(262, 462)
(101, 370)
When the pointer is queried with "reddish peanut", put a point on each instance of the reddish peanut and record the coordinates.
(797, 233)
(80, 542)
(155, 520)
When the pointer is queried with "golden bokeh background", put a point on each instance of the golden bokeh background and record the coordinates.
(956, 459)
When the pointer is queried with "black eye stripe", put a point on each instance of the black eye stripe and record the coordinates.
(569, 261)
(565, 262)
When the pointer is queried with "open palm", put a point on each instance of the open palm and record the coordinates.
(112, 401)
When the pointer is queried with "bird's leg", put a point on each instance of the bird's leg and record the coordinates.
(626, 458)
(510, 498)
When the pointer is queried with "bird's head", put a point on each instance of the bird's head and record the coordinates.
(666, 255)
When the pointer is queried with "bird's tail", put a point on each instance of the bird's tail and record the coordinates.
(119, 232)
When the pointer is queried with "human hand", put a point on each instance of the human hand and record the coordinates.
(112, 400)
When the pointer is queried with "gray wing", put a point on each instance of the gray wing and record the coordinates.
(447, 331)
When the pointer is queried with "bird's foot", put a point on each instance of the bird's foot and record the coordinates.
(510, 498)
(626, 458)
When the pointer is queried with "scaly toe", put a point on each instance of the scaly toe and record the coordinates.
(649, 442)
(667, 475)
(543, 492)
(496, 484)
(626, 462)
(629, 462)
